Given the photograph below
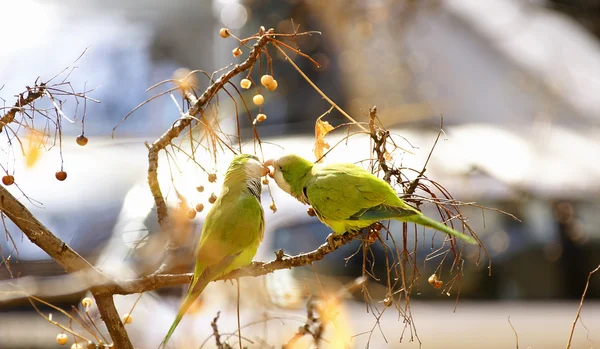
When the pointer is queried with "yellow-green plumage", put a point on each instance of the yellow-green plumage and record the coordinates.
(346, 197)
(232, 231)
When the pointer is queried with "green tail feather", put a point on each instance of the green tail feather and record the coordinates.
(428, 222)
(194, 292)
(408, 214)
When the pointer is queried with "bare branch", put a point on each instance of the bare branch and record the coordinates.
(155, 281)
(179, 126)
(68, 259)
(64, 255)
(32, 95)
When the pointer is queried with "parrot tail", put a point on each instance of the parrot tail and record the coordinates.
(428, 222)
(193, 293)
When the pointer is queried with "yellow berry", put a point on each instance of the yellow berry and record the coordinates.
(261, 117)
(266, 80)
(127, 318)
(258, 99)
(224, 32)
(273, 207)
(199, 207)
(237, 52)
(272, 86)
(87, 302)
(246, 83)
(62, 339)
(212, 198)
(191, 214)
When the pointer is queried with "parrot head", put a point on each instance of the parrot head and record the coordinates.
(290, 172)
(249, 165)
(246, 167)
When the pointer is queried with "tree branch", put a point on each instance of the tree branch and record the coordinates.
(156, 281)
(68, 259)
(32, 95)
(64, 255)
(163, 141)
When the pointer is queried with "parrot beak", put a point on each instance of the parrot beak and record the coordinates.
(266, 165)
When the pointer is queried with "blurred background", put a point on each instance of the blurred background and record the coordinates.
(515, 81)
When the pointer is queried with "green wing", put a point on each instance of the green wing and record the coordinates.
(347, 192)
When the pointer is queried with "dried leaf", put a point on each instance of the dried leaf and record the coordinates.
(322, 128)
(34, 150)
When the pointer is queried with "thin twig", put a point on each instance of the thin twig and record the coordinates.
(587, 284)
(216, 334)
(516, 334)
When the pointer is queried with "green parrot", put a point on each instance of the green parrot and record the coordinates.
(232, 230)
(346, 197)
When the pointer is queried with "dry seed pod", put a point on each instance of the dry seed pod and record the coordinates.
(61, 175)
(265, 181)
(224, 32)
(261, 117)
(81, 140)
(311, 212)
(8, 180)
(191, 214)
(62, 339)
(435, 281)
(87, 302)
(388, 301)
(199, 207)
(273, 207)
(236, 52)
(212, 177)
(200, 188)
(212, 198)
